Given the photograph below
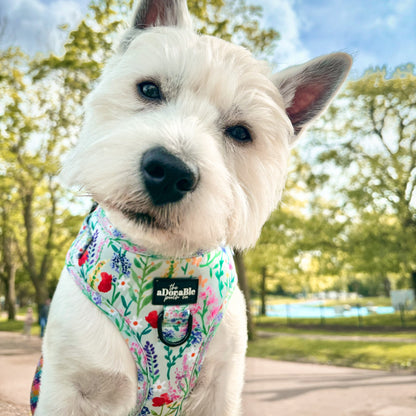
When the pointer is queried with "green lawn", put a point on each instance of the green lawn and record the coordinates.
(372, 355)
(11, 326)
(361, 354)
(17, 326)
(322, 331)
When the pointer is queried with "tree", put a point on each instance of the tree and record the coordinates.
(8, 254)
(40, 112)
(371, 129)
(36, 119)
(234, 21)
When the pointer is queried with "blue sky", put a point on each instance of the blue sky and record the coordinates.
(375, 32)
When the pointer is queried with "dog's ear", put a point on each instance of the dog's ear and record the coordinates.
(150, 13)
(309, 88)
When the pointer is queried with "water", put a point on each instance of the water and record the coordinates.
(314, 309)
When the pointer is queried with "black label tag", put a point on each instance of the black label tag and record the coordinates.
(182, 291)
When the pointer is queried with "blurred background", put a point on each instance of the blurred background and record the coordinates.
(333, 276)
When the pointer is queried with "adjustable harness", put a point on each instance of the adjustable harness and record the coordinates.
(167, 310)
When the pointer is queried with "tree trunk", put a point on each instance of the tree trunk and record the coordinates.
(9, 266)
(39, 275)
(263, 292)
(386, 286)
(413, 279)
(38, 278)
(243, 283)
(11, 293)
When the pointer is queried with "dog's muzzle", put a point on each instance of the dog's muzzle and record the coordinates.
(166, 177)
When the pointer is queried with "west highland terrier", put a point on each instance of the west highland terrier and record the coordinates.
(184, 146)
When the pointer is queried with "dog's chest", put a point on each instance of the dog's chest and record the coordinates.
(167, 310)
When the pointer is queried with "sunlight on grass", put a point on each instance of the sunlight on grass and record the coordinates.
(380, 355)
(17, 326)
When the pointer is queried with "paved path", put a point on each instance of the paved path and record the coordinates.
(273, 388)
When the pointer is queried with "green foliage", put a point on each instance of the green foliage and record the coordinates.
(40, 112)
(234, 21)
(36, 120)
(353, 225)
(374, 124)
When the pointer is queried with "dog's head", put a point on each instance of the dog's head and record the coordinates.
(186, 138)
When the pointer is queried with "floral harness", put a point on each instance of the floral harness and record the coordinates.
(167, 310)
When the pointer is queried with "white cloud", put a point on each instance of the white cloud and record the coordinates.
(280, 15)
(33, 25)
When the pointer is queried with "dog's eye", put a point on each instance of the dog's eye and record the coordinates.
(149, 90)
(239, 134)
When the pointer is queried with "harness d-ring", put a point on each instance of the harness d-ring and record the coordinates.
(173, 343)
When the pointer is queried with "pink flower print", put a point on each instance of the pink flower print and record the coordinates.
(214, 312)
(134, 347)
(194, 324)
(173, 394)
(212, 300)
(125, 246)
(185, 365)
(194, 308)
(143, 357)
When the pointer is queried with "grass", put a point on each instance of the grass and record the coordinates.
(328, 331)
(360, 354)
(11, 326)
(17, 325)
(371, 355)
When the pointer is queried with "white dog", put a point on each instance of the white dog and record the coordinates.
(185, 146)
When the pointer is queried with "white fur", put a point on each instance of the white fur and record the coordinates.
(209, 85)
(212, 84)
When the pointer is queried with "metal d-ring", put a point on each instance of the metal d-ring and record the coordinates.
(170, 343)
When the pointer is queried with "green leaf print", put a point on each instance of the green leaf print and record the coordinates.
(126, 305)
(152, 269)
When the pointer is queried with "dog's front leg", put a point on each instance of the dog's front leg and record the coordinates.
(220, 384)
(88, 369)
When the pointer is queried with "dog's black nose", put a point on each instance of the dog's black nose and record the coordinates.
(167, 178)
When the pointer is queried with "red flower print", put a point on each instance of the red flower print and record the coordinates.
(105, 284)
(162, 400)
(152, 319)
(83, 258)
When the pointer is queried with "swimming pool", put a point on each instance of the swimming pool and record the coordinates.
(315, 309)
